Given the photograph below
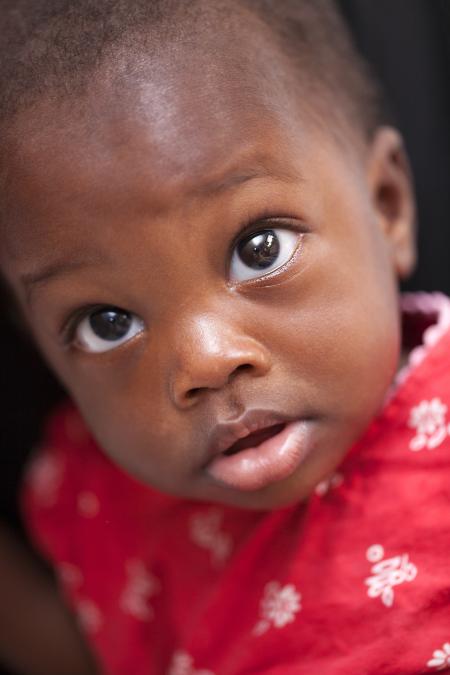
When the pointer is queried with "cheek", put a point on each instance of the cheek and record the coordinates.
(125, 412)
(336, 329)
(343, 345)
(131, 425)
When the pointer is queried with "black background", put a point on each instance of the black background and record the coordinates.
(408, 44)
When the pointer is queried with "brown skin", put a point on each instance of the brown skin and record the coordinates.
(129, 186)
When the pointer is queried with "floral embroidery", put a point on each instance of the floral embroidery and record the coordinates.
(375, 553)
(89, 615)
(441, 658)
(326, 485)
(183, 664)
(428, 418)
(205, 532)
(45, 476)
(140, 587)
(88, 504)
(278, 607)
(387, 573)
(70, 575)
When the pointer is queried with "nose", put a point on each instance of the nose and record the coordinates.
(209, 355)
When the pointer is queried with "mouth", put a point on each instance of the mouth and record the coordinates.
(258, 450)
(254, 439)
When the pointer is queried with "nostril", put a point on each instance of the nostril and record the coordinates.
(193, 393)
(196, 391)
(214, 379)
(244, 366)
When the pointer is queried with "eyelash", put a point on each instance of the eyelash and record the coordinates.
(264, 221)
(73, 320)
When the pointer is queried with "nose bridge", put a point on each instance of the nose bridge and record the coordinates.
(212, 333)
(209, 348)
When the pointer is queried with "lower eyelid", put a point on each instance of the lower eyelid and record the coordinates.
(138, 328)
(290, 261)
(106, 352)
(70, 325)
(279, 271)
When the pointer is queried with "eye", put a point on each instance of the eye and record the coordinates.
(106, 329)
(262, 252)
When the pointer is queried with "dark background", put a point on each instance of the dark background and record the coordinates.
(408, 44)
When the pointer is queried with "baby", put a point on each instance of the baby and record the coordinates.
(204, 220)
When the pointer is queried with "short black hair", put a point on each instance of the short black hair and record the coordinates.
(49, 46)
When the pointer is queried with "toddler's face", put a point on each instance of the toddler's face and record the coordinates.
(199, 262)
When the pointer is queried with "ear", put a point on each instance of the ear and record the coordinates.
(390, 182)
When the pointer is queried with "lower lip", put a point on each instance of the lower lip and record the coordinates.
(271, 461)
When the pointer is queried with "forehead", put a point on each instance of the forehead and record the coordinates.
(175, 124)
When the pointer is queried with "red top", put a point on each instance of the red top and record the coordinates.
(355, 581)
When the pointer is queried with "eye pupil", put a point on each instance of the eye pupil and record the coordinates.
(259, 250)
(110, 324)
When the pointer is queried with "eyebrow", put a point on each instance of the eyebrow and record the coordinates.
(56, 269)
(230, 181)
(234, 178)
(60, 268)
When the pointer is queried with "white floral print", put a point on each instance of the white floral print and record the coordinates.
(88, 504)
(70, 575)
(441, 658)
(429, 420)
(89, 615)
(141, 586)
(278, 607)
(375, 553)
(45, 476)
(329, 483)
(387, 573)
(205, 531)
(183, 664)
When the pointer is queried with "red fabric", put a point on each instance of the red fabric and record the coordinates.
(356, 581)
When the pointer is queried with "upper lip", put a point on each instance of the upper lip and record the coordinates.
(224, 435)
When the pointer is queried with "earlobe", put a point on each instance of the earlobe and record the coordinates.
(390, 182)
